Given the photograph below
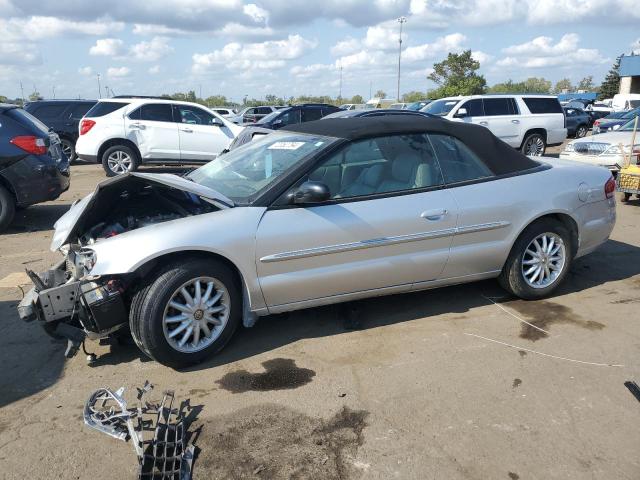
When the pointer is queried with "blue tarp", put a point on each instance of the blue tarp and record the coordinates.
(630, 66)
(571, 96)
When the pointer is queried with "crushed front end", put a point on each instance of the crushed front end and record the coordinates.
(73, 305)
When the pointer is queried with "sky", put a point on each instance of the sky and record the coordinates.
(290, 47)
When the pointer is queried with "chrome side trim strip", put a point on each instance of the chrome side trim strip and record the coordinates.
(380, 242)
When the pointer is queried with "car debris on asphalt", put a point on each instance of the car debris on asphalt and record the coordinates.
(166, 455)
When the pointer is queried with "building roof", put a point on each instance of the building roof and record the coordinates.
(630, 66)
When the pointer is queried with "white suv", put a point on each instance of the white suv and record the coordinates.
(123, 133)
(529, 123)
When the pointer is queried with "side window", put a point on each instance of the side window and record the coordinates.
(156, 112)
(263, 110)
(380, 165)
(193, 115)
(291, 117)
(543, 104)
(310, 114)
(457, 161)
(80, 110)
(514, 106)
(494, 107)
(474, 108)
(49, 111)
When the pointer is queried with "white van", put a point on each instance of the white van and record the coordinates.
(529, 123)
(625, 101)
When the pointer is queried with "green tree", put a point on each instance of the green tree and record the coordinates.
(357, 99)
(456, 75)
(216, 101)
(562, 85)
(35, 95)
(611, 84)
(414, 96)
(530, 85)
(380, 94)
(586, 84)
(3, 99)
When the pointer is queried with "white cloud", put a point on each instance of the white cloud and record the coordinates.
(151, 51)
(86, 71)
(443, 45)
(108, 47)
(256, 13)
(118, 72)
(381, 38)
(12, 53)
(346, 47)
(635, 46)
(481, 57)
(541, 52)
(264, 55)
(41, 27)
(154, 70)
(310, 71)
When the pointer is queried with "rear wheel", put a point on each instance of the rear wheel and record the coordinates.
(539, 260)
(7, 208)
(119, 159)
(68, 148)
(581, 131)
(534, 145)
(188, 312)
(625, 197)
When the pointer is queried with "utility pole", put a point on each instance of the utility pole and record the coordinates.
(401, 21)
(106, 89)
(370, 87)
(200, 90)
(22, 91)
(99, 89)
(54, 91)
(340, 93)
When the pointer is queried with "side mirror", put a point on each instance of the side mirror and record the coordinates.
(310, 192)
(461, 113)
(217, 122)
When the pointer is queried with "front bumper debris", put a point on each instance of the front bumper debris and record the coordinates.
(166, 455)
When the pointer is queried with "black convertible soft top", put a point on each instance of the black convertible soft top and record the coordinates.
(498, 156)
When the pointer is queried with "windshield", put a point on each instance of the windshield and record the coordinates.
(269, 117)
(628, 127)
(417, 105)
(248, 171)
(631, 113)
(440, 107)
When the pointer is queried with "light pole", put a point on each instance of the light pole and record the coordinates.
(340, 93)
(401, 21)
(99, 89)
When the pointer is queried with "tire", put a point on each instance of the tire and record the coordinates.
(119, 159)
(534, 145)
(69, 149)
(625, 197)
(151, 307)
(581, 131)
(512, 278)
(7, 208)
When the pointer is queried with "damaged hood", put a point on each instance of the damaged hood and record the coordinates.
(65, 226)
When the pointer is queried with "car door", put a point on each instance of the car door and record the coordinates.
(309, 114)
(152, 128)
(471, 111)
(572, 120)
(387, 225)
(501, 117)
(202, 135)
(288, 117)
(488, 209)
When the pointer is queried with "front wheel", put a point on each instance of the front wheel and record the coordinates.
(534, 145)
(539, 260)
(581, 131)
(7, 208)
(187, 313)
(119, 159)
(68, 148)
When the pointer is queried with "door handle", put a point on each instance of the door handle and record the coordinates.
(515, 121)
(434, 214)
(137, 126)
(484, 123)
(188, 130)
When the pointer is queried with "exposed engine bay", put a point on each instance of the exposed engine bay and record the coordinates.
(67, 300)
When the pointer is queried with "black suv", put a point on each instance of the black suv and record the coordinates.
(63, 117)
(33, 168)
(305, 112)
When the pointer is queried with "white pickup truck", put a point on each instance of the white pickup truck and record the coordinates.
(529, 123)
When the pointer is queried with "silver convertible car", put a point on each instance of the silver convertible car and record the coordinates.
(326, 212)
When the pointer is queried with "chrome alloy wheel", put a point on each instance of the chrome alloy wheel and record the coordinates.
(534, 147)
(196, 314)
(543, 260)
(119, 162)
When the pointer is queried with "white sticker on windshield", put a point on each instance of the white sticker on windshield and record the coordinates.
(286, 145)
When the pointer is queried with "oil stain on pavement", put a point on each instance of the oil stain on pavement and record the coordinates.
(279, 374)
(543, 314)
(272, 441)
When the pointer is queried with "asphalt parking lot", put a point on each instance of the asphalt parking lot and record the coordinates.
(456, 383)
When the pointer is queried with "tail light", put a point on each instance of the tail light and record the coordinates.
(597, 123)
(30, 144)
(610, 188)
(86, 125)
